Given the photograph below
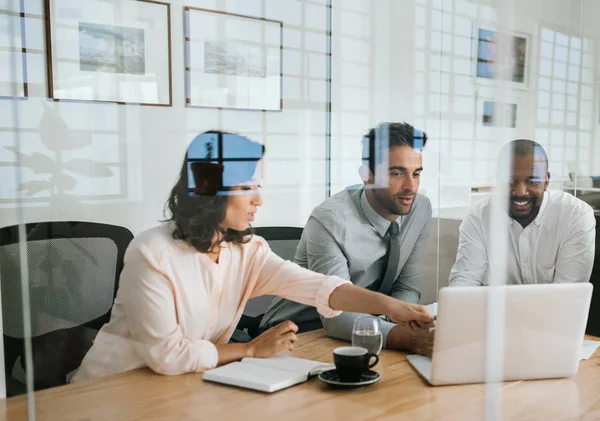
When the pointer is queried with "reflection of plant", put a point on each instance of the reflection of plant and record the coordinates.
(57, 137)
(209, 151)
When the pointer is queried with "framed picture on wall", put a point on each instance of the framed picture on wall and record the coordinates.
(13, 70)
(109, 51)
(232, 61)
(498, 114)
(500, 56)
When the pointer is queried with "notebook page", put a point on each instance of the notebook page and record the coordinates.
(295, 365)
(264, 379)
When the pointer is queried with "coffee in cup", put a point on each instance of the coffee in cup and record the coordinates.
(352, 361)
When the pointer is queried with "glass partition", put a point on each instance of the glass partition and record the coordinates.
(99, 101)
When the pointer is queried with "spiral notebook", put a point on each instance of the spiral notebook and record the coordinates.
(266, 374)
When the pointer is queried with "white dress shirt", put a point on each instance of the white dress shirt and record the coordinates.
(558, 246)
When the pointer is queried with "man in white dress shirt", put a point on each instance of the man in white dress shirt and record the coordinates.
(551, 234)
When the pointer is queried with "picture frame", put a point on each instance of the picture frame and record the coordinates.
(236, 67)
(115, 51)
(498, 114)
(515, 47)
(496, 117)
(13, 51)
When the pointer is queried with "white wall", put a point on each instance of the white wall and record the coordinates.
(590, 12)
(388, 60)
(413, 61)
(144, 146)
(418, 56)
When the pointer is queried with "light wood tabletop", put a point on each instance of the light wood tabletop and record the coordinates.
(400, 394)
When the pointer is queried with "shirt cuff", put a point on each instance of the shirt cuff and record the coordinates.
(208, 356)
(386, 327)
(322, 301)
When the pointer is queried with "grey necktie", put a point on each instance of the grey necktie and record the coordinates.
(393, 259)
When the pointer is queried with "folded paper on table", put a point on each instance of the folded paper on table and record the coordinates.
(588, 349)
(432, 309)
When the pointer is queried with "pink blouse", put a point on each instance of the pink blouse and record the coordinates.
(174, 303)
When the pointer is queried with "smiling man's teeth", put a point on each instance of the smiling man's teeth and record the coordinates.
(519, 203)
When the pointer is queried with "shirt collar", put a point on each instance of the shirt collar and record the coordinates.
(538, 218)
(377, 221)
(543, 207)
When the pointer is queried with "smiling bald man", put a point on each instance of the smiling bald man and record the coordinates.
(551, 234)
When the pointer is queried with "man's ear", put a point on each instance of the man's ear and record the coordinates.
(547, 180)
(365, 174)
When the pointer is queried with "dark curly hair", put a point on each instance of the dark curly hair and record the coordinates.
(198, 206)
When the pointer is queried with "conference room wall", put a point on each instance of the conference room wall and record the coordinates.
(589, 24)
(381, 70)
(141, 148)
(390, 61)
(420, 58)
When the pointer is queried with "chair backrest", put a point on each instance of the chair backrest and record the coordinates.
(283, 241)
(73, 270)
(593, 325)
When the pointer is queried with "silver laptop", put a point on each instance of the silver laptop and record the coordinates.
(540, 334)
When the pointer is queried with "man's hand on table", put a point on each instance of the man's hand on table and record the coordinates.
(418, 340)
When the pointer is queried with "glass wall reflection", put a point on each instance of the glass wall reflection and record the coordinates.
(99, 102)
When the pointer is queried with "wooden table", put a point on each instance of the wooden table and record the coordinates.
(400, 394)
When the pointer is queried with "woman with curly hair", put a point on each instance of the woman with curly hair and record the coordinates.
(186, 282)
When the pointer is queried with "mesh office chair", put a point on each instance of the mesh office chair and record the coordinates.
(73, 274)
(283, 241)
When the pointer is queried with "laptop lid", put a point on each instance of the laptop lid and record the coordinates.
(538, 332)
